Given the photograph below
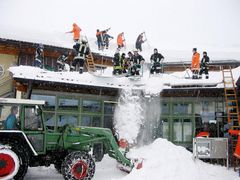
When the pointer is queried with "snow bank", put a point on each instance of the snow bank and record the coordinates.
(166, 161)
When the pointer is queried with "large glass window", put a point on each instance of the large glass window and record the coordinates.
(165, 129)
(91, 106)
(67, 119)
(187, 130)
(50, 120)
(208, 111)
(109, 108)
(86, 121)
(177, 130)
(108, 122)
(182, 108)
(68, 104)
(165, 108)
(94, 121)
(50, 100)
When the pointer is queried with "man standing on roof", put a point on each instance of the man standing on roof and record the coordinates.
(204, 65)
(39, 56)
(81, 52)
(156, 61)
(100, 38)
(195, 63)
(76, 32)
(106, 39)
(139, 42)
(117, 64)
(137, 61)
(120, 40)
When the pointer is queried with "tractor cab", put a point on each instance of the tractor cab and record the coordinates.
(26, 116)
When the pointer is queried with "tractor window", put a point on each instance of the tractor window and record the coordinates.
(9, 117)
(32, 119)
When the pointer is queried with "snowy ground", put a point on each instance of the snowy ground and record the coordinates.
(162, 160)
(105, 170)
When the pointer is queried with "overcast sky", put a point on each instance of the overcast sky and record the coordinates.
(173, 24)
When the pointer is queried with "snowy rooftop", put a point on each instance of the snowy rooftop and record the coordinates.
(150, 83)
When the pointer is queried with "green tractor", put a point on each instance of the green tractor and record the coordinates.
(32, 142)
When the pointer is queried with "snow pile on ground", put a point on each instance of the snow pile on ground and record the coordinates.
(164, 160)
(128, 116)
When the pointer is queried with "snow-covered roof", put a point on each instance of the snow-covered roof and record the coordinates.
(151, 84)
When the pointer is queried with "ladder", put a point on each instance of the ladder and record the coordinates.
(90, 62)
(232, 109)
(231, 99)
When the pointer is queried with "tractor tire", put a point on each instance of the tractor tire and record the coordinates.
(58, 166)
(78, 166)
(23, 156)
(9, 163)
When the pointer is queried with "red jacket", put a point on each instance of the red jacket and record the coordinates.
(237, 150)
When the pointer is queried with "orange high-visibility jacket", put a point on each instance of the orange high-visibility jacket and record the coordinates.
(120, 39)
(76, 31)
(237, 150)
(195, 61)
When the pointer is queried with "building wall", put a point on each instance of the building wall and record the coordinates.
(6, 83)
(181, 118)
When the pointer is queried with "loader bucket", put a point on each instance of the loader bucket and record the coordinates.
(124, 148)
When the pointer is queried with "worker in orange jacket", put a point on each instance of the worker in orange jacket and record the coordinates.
(76, 32)
(237, 150)
(120, 40)
(195, 66)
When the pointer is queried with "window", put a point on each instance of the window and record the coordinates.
(108, 122)
(177, 130)
(208, 111)
(50, 120)
(68, 104)
(182, 108)
(165, 129)
(165, 108)
(32, 118)
(91, 106)
(86, 121)
(187, 130)
(94, 121)
(182, 130)
(67, 119)
(10, 113)
(50, 100)
(109, 108)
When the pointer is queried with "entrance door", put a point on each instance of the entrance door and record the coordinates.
(182, 130)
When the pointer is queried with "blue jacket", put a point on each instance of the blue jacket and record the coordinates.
(11, 122)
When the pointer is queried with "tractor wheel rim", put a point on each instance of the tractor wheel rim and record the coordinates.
(7, 165)
(79, 169)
